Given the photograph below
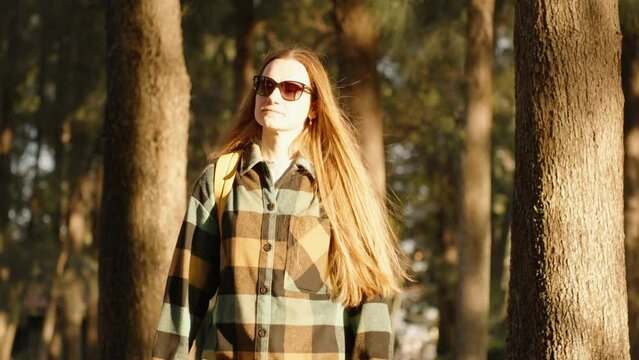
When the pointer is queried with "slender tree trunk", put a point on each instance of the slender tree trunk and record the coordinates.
(358, 35)
(7, 99)
(474, 248)
(93, 296)
(92, 330)
(499, 272)
(243, 63)
(567, 290)
(73, 297)
(74, 308)
(446, 276)
(630, 76)
(15, 303)
(50, 315)
(145, 139)
(10, 80)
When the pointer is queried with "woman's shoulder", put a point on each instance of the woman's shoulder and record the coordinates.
(206, 178)
(202, 187)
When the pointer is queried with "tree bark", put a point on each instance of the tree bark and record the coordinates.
(474, 247)
(145, 144)
(358, 35)
(567, 290)
(243, 62)
(630, 76)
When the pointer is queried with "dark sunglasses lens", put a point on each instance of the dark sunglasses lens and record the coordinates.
(291, 90)
(264, 86)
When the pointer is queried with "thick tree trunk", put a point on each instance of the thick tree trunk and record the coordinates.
(567, 290)
(474, 247)
(358, 35)
(145, 143)
(630, 75)
(243, 63)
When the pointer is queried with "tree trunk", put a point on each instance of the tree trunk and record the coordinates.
(10, 80)
(474, 248)
(145, 143)
(15, 302)
(567, 290)
(74, 303)
(92, 330)
(358, 35)
(445, 274)
(73, 310)
(243, 63)
(630, 76)
(50, 315)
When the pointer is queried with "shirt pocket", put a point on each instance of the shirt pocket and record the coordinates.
(308, 242)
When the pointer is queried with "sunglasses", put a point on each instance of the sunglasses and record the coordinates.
(290, 90)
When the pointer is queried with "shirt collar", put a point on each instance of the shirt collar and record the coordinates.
(252, 155)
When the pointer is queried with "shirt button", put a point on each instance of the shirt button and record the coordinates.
(270, 206)
(267, 247)
(261, 333)
(263, 290)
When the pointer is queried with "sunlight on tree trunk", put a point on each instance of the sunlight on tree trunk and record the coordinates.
(567, 290)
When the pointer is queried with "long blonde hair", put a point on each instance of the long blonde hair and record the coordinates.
(364, 259)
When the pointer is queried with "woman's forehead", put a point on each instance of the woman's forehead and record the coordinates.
(286, 69)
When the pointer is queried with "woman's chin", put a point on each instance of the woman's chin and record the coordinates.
(275, 123)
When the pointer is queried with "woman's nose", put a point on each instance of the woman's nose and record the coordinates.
(276, 95)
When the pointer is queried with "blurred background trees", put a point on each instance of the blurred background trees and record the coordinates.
(630, 80)
(53, 66)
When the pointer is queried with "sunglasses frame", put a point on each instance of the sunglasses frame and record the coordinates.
(258, 78)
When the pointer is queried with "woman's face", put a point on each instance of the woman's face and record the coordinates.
(274, 112)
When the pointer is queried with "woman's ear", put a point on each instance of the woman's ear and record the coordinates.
(312, 112)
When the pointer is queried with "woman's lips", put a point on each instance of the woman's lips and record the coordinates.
(270, 109)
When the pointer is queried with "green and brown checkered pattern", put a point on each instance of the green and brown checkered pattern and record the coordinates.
(268, 269)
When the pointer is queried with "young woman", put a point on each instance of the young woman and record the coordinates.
(306, 255)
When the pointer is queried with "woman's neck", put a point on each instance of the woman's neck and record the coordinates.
(276, 146)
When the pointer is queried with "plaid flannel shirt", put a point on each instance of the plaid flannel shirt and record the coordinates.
(268, 270)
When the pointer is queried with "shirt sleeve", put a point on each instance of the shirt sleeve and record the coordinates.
(193, 275)
(371, 330)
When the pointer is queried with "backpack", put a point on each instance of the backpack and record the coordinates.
(225, 170)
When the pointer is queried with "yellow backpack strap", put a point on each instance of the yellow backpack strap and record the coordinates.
(225, 170)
